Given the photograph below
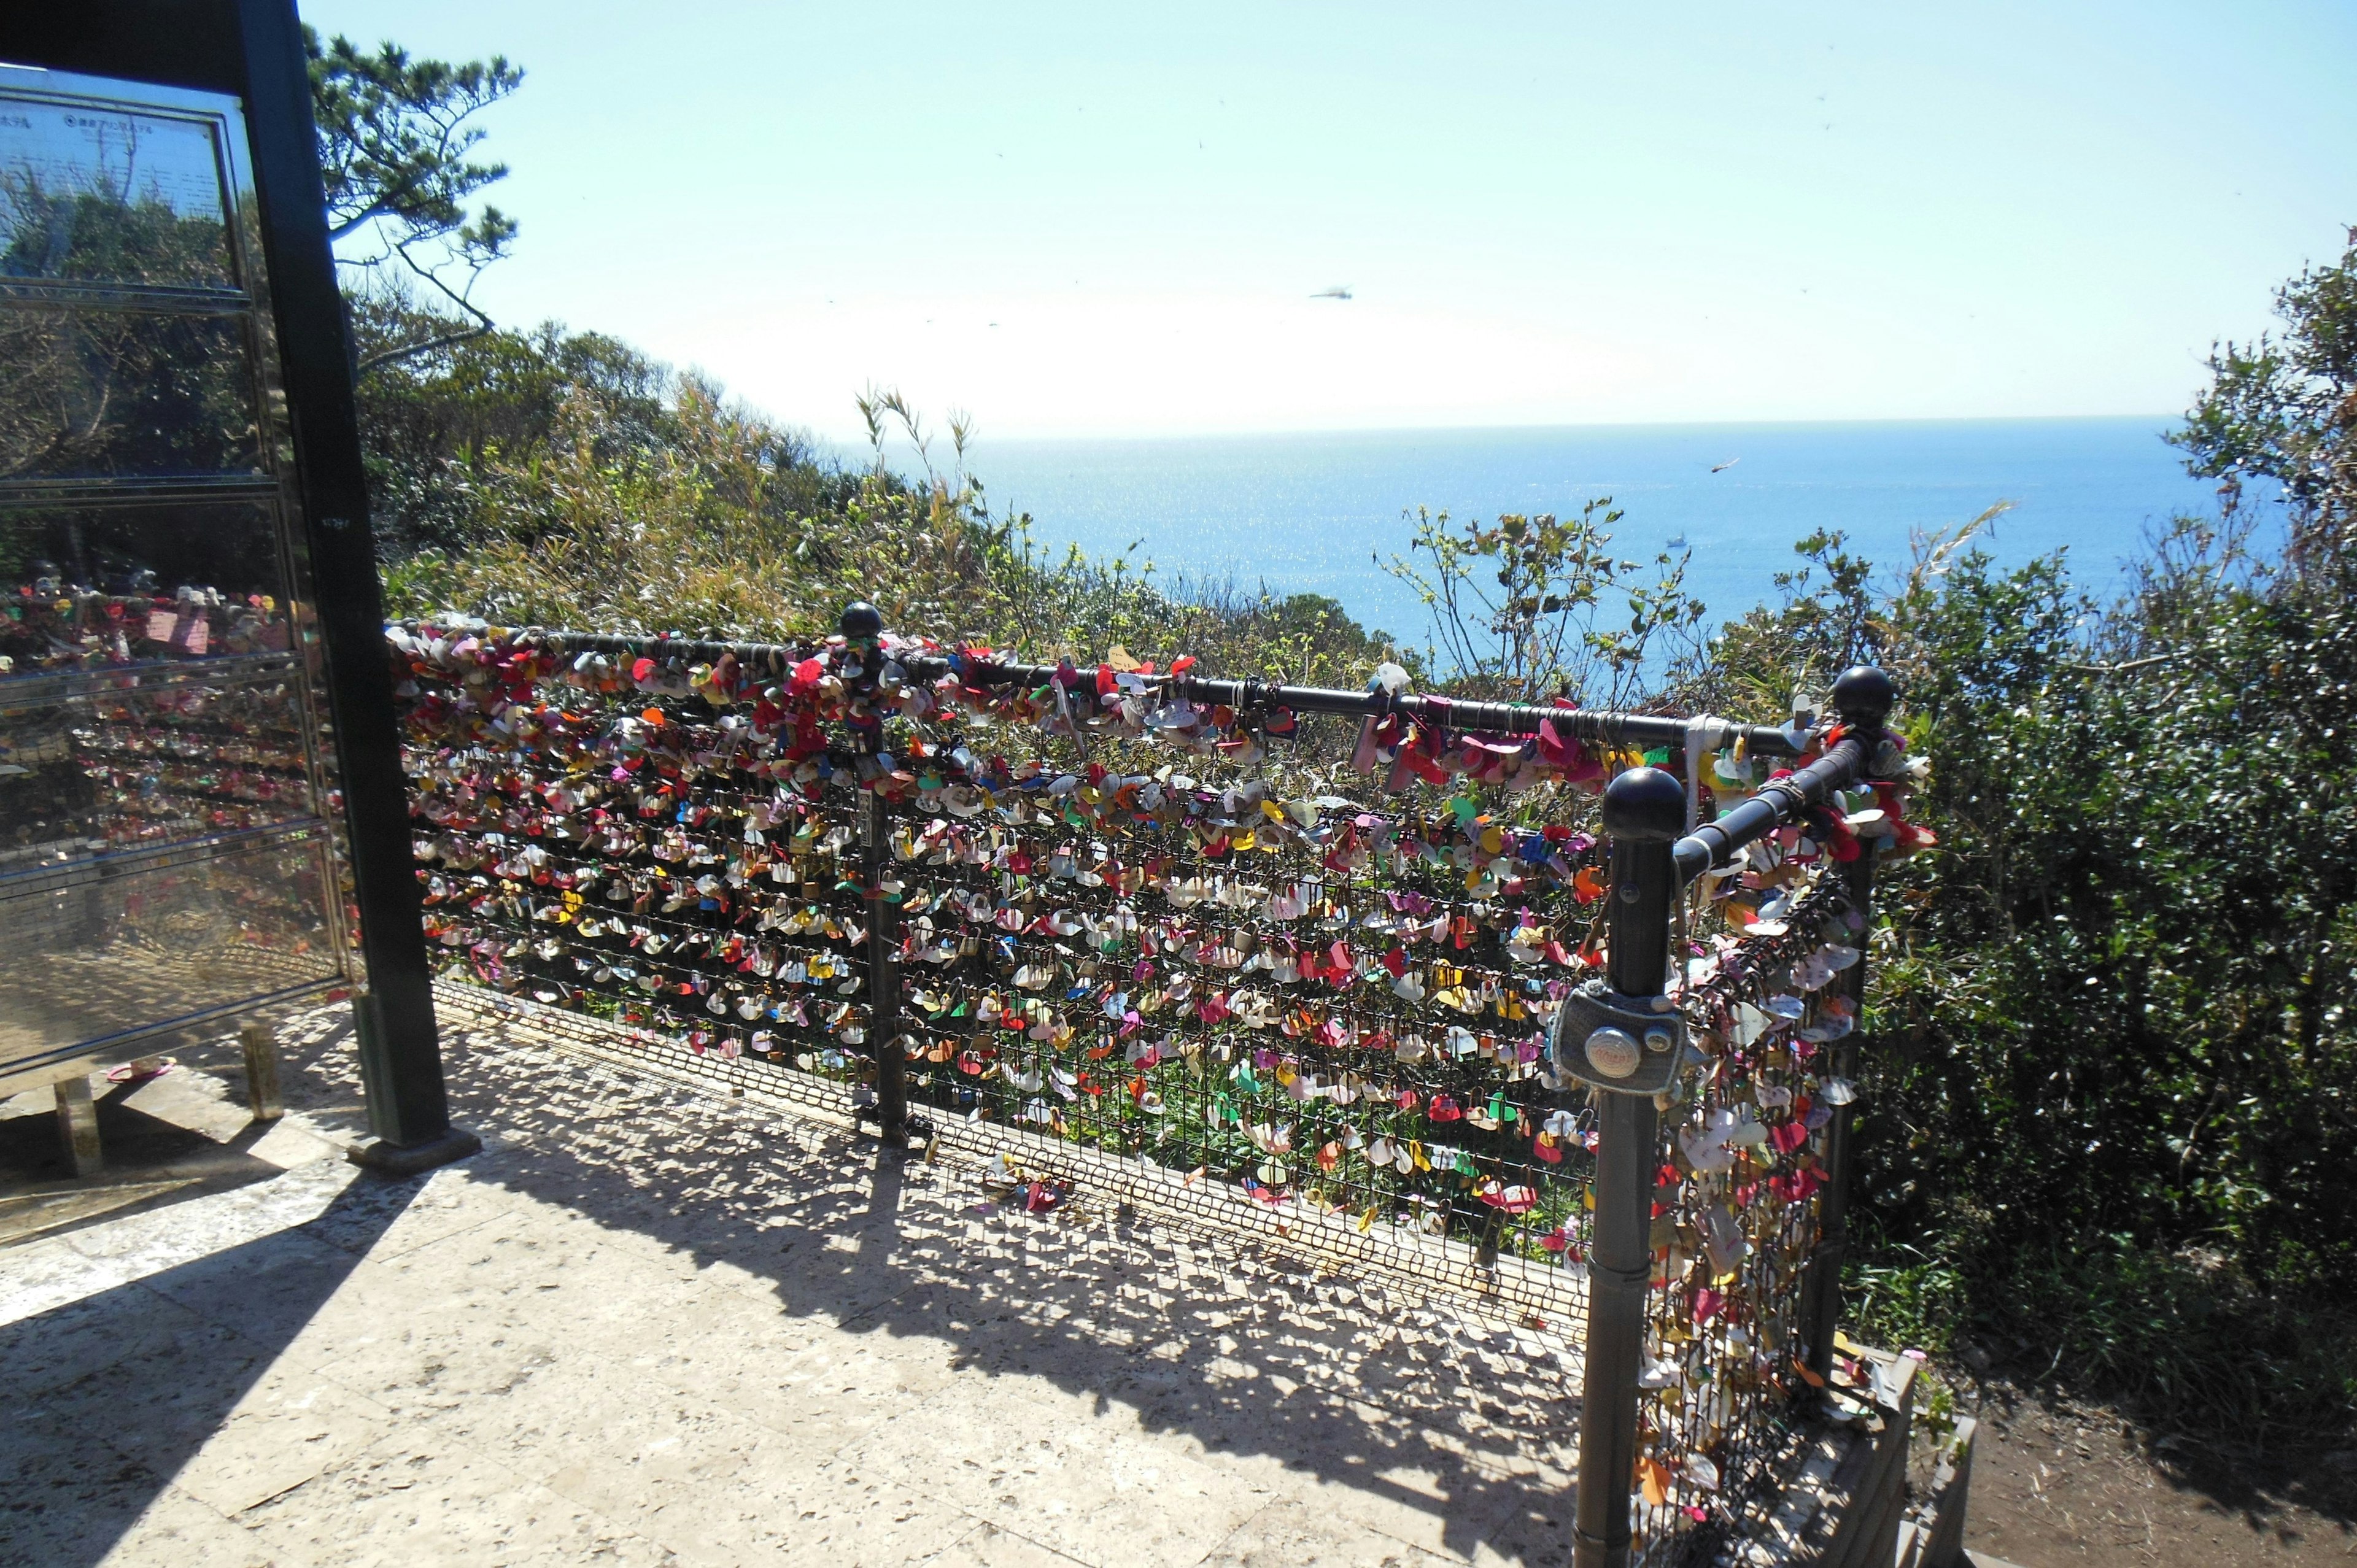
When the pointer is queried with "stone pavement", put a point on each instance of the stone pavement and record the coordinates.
(652, 1325)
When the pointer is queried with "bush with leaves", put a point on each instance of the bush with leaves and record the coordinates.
(2114, 1032)
(1515, 608)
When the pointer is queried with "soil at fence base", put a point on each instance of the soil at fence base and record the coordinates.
(2056, 1482)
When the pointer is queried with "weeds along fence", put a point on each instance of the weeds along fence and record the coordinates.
(1290, 958)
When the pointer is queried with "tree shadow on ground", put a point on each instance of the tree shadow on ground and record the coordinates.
(2057, 1477)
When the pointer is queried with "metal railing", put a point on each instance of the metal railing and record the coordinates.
(1356, 983)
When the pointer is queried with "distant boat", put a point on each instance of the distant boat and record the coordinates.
(1722, 467)
(1679, 542)
(1340, 291)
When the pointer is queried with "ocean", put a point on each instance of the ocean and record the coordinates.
(1314, 512)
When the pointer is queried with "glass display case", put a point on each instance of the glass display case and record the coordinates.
(169, 790)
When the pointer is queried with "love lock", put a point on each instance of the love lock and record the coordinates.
(1615, 1042)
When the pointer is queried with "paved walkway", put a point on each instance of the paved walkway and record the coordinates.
(652, 1326)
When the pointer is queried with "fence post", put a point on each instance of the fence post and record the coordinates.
(1644, 811)
(1863, 697)
(863, 626)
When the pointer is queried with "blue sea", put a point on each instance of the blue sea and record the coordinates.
(1313, 512)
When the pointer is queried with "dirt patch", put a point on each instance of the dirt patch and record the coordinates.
(2056, 1482)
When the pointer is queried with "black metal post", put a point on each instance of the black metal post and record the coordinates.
(862, 626)
(1863, 697)
(1714, 842)
(1644, 809)
(400, 1049)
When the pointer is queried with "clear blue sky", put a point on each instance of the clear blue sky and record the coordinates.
(1109, 219)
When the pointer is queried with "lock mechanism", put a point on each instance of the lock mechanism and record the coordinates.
(1614, 1042)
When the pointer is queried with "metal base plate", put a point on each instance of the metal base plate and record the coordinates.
(397, 1159)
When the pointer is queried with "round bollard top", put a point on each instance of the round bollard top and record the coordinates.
(862, 621)
(1864, 696)
(1645, 803)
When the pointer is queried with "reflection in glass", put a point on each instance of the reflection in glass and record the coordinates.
(92, 585)
(118, 393)
(152, 763)
(126, 945)
(90, 195)
(163, 851)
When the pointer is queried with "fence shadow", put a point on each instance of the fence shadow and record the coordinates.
(1246, 1352)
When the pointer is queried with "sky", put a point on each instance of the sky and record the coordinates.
(1111, 219)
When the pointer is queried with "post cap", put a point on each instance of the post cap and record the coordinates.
(862, 622)
(1864, 696)
(1645, 803)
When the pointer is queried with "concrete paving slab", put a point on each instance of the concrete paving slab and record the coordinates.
(267, 1290)
(69, 1493)
(389, 1216)
(52, 1350)
(289, 1428)
(822, 1520)
(987, 1546)
(1291, 1533)
(1061, 1471)
(41, 1276)
(177, 1531)
(650, 1326)
(398, 1504)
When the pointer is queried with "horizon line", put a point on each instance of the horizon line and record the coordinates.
(983, 435)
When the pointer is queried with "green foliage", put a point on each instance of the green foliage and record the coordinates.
(105, 233)
(395, 144)
(1906, 1299)
(442, 427)
(93, 391)
(1515, 606)
(2285, 409)
(2113, 1063)
(557, 480)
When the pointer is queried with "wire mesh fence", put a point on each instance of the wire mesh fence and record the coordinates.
(1736, 1213)
(1303, 962)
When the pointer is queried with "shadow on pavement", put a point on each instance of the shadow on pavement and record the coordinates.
(1253, 1355)
(110, 1394)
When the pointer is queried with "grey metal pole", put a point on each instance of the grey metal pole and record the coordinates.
(1821, 1297)
(862, 625)
(1863, 697)
(1644, 811)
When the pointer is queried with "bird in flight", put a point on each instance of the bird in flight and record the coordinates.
(1340, 291)
(1722, 467)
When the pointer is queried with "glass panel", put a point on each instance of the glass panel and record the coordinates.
(153, 763)
(90, 195)
(103, 393)
(152, 551)
(127, 945)
(162, 854)
(150, 690)
(84, 586)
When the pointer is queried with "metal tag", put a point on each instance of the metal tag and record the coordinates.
(1614, 1042)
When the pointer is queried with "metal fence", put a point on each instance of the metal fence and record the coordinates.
(1302, 947)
